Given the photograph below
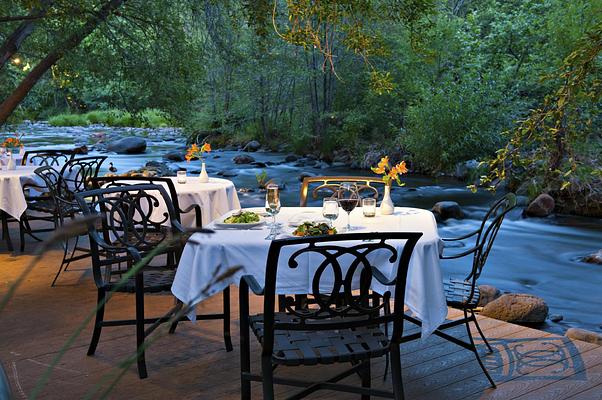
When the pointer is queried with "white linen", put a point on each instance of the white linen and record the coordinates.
(12, 198)
(206, 256)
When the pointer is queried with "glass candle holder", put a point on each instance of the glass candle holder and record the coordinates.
(369, 207)
(181, 176)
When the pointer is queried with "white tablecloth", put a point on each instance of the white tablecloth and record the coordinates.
(12, 198)
(216, 197)
(204, 255)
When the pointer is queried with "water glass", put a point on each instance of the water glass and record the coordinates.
(330, 209)
(369, 207)
(272, 206)
(181, 176)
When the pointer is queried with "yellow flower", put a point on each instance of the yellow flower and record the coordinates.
(401, 168)
(384, 162)
(206, 148)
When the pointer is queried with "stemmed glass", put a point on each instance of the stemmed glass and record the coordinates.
(272, 207)
(330, 209)
(348, 198)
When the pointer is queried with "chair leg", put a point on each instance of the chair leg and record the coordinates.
(22, 234)
(174, 325)
(396, 378)
(68, 260)
(227, 336)
(6, 232)
(100, 312)
(476, 352)
(476, 323)
(245, 345)
(366, 378)
(267, 374)
(141, 361)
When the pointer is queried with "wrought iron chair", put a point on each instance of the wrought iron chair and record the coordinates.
(464, 294)
(129, 231)
(330, 185)
(51, 158)
(341, 325)
(112, 181)
(75, 176)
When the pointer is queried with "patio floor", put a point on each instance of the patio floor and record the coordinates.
(192, 363)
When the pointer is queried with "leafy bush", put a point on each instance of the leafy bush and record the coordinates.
(153, 118)
(68, 120)
(450, 125)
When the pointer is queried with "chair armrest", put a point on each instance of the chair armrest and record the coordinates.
(461, 237)
(462, 254)
(380, 277)
(250, 282)
(198, 216)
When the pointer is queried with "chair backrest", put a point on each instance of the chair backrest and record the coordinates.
(342, 264)
(328, 186)
(56, 186)
(114, 181)
(49, 157)
(488, 231)
(78, 172)
(132, 217)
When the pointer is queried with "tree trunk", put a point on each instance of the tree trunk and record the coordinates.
(12, 43)
(15, 98)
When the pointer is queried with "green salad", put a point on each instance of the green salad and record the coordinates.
(246, 217)
(314, 229)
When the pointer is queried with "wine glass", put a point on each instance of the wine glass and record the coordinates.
(330, 209)
(272, 206)
(348, 198)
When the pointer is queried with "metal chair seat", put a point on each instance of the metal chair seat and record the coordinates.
(295, 347)
(457, 294)
(43, 204)
(155, 281)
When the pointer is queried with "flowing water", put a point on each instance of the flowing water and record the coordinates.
(534, 256)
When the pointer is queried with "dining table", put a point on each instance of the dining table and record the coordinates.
(208, 255)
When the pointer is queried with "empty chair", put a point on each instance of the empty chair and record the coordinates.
(326, 186)
(464, 294)
(342, 324)
(127, 233)
(49, 157)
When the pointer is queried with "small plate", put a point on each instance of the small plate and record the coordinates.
(221, 224)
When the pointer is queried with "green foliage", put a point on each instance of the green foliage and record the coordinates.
(69, 120)
(149, 118)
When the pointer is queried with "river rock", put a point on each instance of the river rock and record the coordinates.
(464, 169)
(522, 201)
(259, 164)
(227, 174)
(128, 145)
(291, 158)
(174, 155)
(556, 317)
(594, 258)
(517, 308)
(243, 159)
(371, 158)
(447, 209)
(252, 146)
(304, 175)
(584, 335)
(542, 206)
(488, 294)
(83, 149)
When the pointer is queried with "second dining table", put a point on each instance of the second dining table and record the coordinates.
(206, 256)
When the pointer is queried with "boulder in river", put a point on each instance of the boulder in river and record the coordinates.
(464, 169)
(175, 155)
(542, 206)
(128, 145)
(517, 308)
(252, 146)
(447, 209)
(243, 159)
(594, 258)
(291, 158)
(556, 317)
(584, 335)
(488, 294)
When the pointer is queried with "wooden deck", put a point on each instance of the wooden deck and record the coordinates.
(192, 363)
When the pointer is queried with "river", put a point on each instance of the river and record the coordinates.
(537, 256)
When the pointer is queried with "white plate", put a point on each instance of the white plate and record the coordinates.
(221, 224)
(305, 216)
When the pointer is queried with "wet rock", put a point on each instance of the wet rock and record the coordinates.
(128, 145)
(175, 155)
(542, 206)
(291, 158)
(488, 294)
(322, 165)
(259, 164)
(227, 174)
(83, 149)
(464, 169)
(245, 190)
(517, 308)
(594, 258)
(522, 201)
(371, 158)
(252, 146)
(584, 335)
(243, 159)
(304, 175)
(217, 156)
(556, 317)
(447, 209)
(311, 157)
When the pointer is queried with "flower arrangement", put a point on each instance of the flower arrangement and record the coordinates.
(197, 152)
(13, 142)
(390, 173)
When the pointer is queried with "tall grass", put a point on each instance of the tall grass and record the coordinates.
(148, 118)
